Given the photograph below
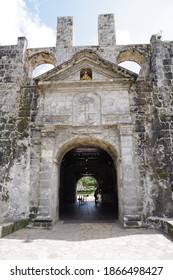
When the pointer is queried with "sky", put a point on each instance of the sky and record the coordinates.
(135, 20)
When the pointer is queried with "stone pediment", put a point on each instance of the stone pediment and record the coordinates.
(75, 70)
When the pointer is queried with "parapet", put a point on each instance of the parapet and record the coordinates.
(106, 31)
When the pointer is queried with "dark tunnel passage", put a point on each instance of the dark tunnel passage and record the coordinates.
(88, 161)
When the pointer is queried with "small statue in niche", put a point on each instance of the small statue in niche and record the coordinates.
(86, 74)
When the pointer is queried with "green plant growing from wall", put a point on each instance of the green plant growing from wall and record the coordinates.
(23, 223)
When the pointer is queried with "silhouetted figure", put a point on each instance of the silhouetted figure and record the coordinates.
(96, 195)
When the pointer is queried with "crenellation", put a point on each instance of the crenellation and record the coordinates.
(106, 30)
(64, 32)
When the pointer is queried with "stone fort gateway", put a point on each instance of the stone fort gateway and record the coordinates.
(87, 115)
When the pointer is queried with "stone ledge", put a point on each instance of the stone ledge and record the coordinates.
(164, 224)
(132, 221)
(7, 228)
(41, 223)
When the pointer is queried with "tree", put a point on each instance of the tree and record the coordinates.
(87, 184)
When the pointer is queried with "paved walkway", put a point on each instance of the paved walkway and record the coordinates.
(86, 241)
(88, 232)
(88, 211)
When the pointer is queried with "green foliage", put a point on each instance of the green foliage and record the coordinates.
(88, 181)
(23, 223)
(88, 185)
(86, 192)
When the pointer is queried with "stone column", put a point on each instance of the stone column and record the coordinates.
(64, 39)
(45, 195)
(130, 215)
(106, 30)
(55, 190)
(64, 36)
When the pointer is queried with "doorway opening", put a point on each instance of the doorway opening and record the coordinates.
(86, 187)
(83, 170)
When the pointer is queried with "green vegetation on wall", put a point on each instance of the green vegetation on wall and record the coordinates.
(24, 114)
(162, 174)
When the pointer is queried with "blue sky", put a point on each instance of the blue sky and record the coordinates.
(135, 20)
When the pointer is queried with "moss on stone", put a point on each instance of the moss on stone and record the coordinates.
(23, 223)
(162, 174)
(24, 114)
(161, 112)
(22, 124)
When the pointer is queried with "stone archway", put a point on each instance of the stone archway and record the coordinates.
(102, 162)
(131, 55)
(88, 161)
(121, 154)
(40, 58)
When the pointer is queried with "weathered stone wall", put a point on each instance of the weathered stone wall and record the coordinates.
(159, 129)
(14, 111)
(36, 120)
(139, 107)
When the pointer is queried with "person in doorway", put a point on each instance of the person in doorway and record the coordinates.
(96, 195)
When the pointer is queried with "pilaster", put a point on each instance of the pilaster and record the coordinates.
(131, 217)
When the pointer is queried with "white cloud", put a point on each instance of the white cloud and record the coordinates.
(17, 21)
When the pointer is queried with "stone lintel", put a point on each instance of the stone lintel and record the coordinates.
(86, 132)
(120, 84)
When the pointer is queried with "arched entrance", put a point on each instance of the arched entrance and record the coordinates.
(81, 162)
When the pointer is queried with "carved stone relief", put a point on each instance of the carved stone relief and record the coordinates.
(86, 109)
